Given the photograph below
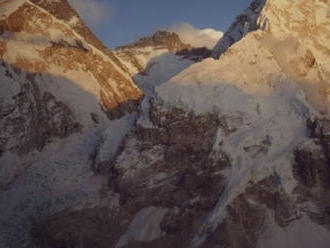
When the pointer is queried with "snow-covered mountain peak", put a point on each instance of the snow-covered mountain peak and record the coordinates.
(59, 8)
(299, 18)
(54, 78)
(140, 55)
(271, 78)
(61, 94)
(63, 11)
(296, 33)
(161, 40)
(306, 26)
(245, 22)
(230, 152)
(44, 29)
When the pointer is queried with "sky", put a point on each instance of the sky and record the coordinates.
(118, 22)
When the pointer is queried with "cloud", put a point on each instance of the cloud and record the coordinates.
(93, 12)
(195, 36)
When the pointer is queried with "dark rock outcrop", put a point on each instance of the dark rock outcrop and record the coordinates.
(160, 39)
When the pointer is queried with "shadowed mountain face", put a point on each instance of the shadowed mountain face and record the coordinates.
(232, 152)
(39, 40)
(59, 90)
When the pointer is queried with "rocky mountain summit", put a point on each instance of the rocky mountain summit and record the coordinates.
(226, 152)
(139, 56)
(60, 89)
(160, 39)
(296, 34)
(48, 79)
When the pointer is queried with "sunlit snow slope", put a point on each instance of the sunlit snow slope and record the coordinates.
(60, 88)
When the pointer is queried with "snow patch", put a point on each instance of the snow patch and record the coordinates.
(142, 230)
(9, 7)
(301, 233)
(74, 21)
(114, 136)
(160, 69)
(266, 112)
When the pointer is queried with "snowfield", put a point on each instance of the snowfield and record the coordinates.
(182, 160)
(266, 110)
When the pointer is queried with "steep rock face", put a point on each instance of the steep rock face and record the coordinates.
(278, 172)
(156, 190)
(51, 43)
(60, 90)
(63, 11)
(161, 39)
(139, 53)
(38, 49)
(282, 19)
(154, 60)
(296, 33)
(220, 156)
(47, 70)
(142, 54)
(171, 177)
(166, 180)
(259, 137)
(247, 21)
(34, 118)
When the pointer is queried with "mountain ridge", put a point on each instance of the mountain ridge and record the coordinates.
(226, 152)
(60, 97)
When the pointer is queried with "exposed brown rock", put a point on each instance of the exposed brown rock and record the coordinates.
(63, 11)
(70, 59)
(71, 56)
(160, 39)
(21, 20)
(38, 115)
(2, 48)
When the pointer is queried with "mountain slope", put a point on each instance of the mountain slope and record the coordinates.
(296, 33)
(60, 91)
(63, 11)
(49, 66)
(140, 55)
(265, 86)
(229, 152)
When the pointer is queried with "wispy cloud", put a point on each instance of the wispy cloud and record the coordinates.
(195, 36)
(93, 12)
